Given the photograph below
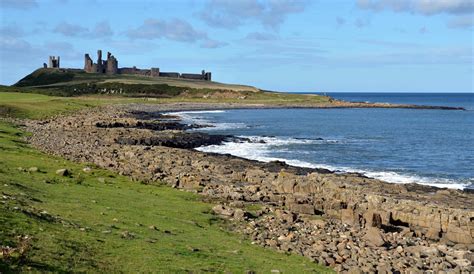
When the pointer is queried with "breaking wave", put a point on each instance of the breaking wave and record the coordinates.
(261, 148)
(196, 117)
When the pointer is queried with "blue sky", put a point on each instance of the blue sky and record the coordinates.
(284, 45)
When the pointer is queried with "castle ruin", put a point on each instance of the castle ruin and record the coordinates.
(53, 62)
(110, 66)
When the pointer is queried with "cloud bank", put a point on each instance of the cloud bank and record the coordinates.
(231, 14)
(19, 4)
(425, 7)
(101, 30)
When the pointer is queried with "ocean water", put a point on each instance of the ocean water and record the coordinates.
(432, 147)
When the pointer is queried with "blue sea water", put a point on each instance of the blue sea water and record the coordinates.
(433, 147)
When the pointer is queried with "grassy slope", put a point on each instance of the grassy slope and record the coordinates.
(30, 105)
(97, 208)
(53, 78)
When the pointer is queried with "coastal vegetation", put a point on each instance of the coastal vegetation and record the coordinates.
(27, 102)
(76, 83)
(55, 79)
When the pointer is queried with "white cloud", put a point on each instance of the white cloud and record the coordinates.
(361, 23)
(425, 7)
(461, 22)
(231, 13)
(71, 30)
(260, 36)
(212, 44)
(12, 31)
(19, 4)
(102, 29)
(174, 29)
(340, 21)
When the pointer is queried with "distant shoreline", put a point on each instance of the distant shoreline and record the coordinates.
(335, 104)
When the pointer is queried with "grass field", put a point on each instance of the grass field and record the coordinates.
(98, 221)
(14, 102)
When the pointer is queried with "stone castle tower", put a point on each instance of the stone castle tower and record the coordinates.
(53, 62)
(109, 66)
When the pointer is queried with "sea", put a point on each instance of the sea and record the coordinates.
(430, 147)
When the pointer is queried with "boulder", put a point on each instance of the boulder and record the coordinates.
(223, 211)
(33, 169)
(285, 216)
(374, 237)
(239, 214)
(348, 216)
(302, 208)
(63, 172)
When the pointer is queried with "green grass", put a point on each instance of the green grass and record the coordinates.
(54, 78)
(25, 103)
(45, 76)
(93, 210)
(37, 106)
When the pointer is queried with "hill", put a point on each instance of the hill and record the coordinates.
(71, 82)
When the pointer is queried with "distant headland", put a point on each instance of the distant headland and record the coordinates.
(110, 67)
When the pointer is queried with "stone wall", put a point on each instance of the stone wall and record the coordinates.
(170, 74)
(155, 72)
(88, 64)
(135, 70)
(110, 66)
(191, 76)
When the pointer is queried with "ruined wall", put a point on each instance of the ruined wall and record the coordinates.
(135, 70)
(53, 62)
(170, 74)
(88, 64)
(111, 64)
(99, 65)
(155, 72)
(192, 76)
(206, 76)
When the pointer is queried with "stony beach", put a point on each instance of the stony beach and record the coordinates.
(346, 221)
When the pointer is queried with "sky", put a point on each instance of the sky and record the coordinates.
(281, 45)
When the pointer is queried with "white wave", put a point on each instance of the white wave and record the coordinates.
(222, 126)
(282, 141)
(196, 112)
(260, 151)
(195, 117)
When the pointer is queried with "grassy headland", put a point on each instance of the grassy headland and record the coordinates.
(75, 82)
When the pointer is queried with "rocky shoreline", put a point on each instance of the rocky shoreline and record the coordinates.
(185, 106)
(347, 221)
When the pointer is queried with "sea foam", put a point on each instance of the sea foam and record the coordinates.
(196, 117)
(260, 148)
